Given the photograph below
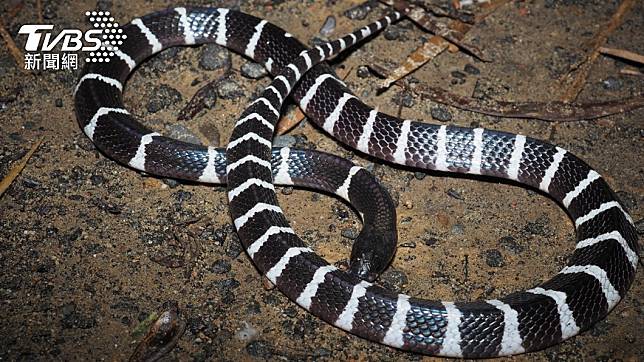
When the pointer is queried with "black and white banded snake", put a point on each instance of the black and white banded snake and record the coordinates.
(596, 278)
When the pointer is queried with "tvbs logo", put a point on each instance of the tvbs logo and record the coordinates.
(100, 43)
(71, 40)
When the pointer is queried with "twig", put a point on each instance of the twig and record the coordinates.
(624, 54)
(423, 54)
(630, 71)
(13, 49)
(15, 171)
(426, 52)
(616, 20)
(547, 111)
(431, 24)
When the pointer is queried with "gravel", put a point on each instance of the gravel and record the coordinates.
(214, 57)
(470, 69)
(229, 89)
(163, 97)
(328, 27)
(494, 258)
(284, 141)
(253, 70)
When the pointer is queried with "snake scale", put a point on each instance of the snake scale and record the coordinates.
(596, 277)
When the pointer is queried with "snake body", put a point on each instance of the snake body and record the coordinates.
(596, 278)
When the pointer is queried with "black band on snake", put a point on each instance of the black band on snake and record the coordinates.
(596, 278)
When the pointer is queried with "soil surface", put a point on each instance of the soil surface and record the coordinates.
(90, 249)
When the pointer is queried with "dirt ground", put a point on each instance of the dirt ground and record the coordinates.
(89, 249)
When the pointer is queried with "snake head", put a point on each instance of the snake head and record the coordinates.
(371, 254)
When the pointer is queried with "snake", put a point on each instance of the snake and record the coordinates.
(597, 276)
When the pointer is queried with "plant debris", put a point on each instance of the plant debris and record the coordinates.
(621, 53)
(546, 111)
(454, 33)
(584, 67)
(423, 54)
(15, 171)
(162, 336)
(13, 49)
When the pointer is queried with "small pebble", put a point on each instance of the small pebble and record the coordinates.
(511, 244)
(97, 180)
(328, 27)
(49, 11)
(253, 70)
(441, 113)
(58, 102)
(284, 141)
(360, 11)
(538, 227)
(349, 233)
(220, 267)
(234, 247)
(454, 194)
(458, 74)
(612, 84)
(172, 183)
(341, 213)
(181, 133)
(104, 5)
(181, 196)
(405, 99)
(162, 97)
(363, 72)
(214, 57)
(287, 190)
(30, 183)
(493, 258)
(430, 240)
(411, 245)
(229, 89)
(458, 229)
(394, 32)
(419, 175)
(394, 280)
(469, 68)
(406, 220)
(226, 285)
